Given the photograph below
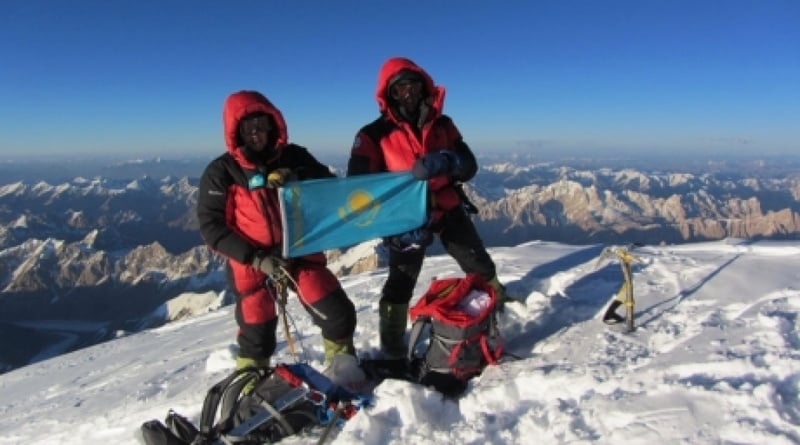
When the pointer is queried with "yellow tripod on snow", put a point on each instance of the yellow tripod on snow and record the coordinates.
(624, 295)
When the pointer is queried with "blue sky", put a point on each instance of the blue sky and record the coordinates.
(149, 77)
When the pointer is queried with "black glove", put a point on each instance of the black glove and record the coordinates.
(412, 240)
(444, 162)
(280, 176)
(267, 263)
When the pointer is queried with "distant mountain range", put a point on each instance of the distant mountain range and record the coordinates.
(83, 260)
(558, 203)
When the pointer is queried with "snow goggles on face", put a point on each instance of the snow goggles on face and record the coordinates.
(406, 88)
(255, 124)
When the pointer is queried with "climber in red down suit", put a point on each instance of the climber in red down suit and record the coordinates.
(239, 217)
(412, 133)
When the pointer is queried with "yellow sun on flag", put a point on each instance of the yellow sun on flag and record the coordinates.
(358, 201)
(360, 206)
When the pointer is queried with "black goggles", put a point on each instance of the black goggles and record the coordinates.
(255, 124)
(406, 88)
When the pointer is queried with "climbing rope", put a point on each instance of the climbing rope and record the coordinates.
(280, 281)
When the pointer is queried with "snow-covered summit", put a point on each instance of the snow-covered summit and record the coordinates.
(715, 359)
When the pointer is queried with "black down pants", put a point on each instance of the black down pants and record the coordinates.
(459, 238)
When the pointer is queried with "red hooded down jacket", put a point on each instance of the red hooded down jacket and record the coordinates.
(391, 144)
(238, 216)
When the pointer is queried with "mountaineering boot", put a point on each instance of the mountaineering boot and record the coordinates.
(248, 362)
(500, 291)
(345, 371)
(392, 328)
(336, 347)
(342, 365)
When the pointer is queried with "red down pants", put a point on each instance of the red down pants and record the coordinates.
(320, 293)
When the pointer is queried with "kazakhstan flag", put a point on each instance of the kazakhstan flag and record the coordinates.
(331, 213)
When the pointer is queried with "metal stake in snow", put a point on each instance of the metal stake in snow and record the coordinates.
(624, 295)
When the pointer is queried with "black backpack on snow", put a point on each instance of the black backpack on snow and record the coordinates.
(460, 315)
(280, 404)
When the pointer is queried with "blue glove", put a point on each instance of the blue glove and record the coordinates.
(412, 240)
(443, 162)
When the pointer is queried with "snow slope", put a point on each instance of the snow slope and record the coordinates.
(715, 359)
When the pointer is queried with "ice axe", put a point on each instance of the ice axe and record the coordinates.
(624, 295)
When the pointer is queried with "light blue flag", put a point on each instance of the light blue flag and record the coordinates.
(331, 213)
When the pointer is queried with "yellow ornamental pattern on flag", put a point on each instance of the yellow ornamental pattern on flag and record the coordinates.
(297, 216)
(360, 207)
